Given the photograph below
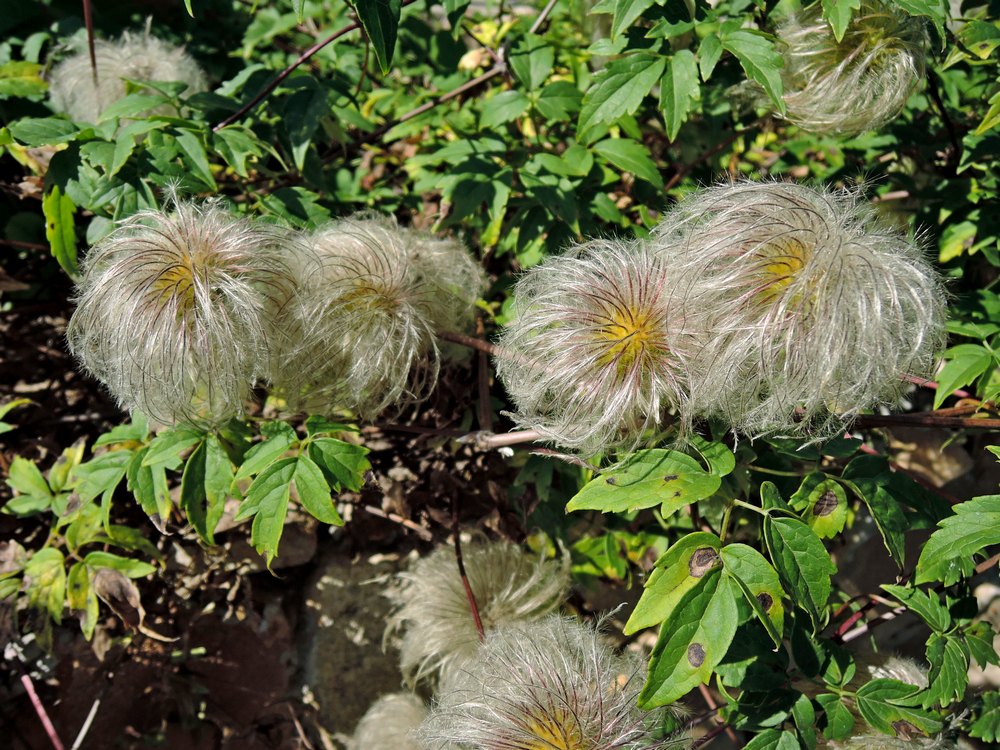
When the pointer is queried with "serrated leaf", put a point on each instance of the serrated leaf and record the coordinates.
(166, 448)
(82, 598)
(208, 475)
(986, 727)
(927, 604)
(839, 723)
(194, 150)
(314, 493)
(805, 721)
(838, 13)
(101, 474)
(678, 89)
(964, 364)
(380, 20)
(45, 581)
(992, 117)
(677, 571)
(531, 61)
(932, 9)
(822, 502)
(889, 706)
(267, 502)
(25, 478)
(127, 566)
(693, 640)
(60, 230)
(947, 555)
(626, 12)
(761, 62)
(949, 673)
(760, 585)
(618, 90)
(344, 464)
(803, 564)
(43, 131)
(651, 477)
(278, 438)
(301, 116)
(502, 108)
(135, 431)
(869, 478)
(630, 156)
(132, 105)
(709, 52)
(979, 638)
(558, 100)
(149, 486)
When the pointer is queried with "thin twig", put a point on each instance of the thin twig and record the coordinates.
(710, 735)
(487, 441)
(473, 606)
(471, 342)
(82, 734)
(36, 703)
(925, 383)
(706, 694)
(925, 419)
(395, 518)
(542, 17)
(956, 142)
(88, 20)
(24, 245)
(301, 59)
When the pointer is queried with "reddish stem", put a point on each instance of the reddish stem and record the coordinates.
(36, 702)
(461, 570)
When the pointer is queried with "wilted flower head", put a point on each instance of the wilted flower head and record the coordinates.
(432, 611)
(372, 297)
(389, 723)
(553, 685)
(136, 56)
(817, 307)
(596, 348)
(857, 84)
(174, 311)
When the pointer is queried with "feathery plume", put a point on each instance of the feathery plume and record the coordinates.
(817, 308)
(548, 684)
(389, 723)
(174, 311)
(372, 297)
(432, 611)
(596, 349)
(137, 56)
(857, 84)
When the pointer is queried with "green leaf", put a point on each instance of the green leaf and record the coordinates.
(314, 493)
(45, 581)
(81, 597)
(693, 640)
(965, 363)
(558, 100)
(278, 438)
(838, 13)
(316, 425)
(20, 78)
(344, 464)
(947, 555)
(759, 584)
(380, 20)
(709, 52)
(127, 566)
(43, 131)
(927, 604)
(301, 115)
(626, 12)
(650, 477)
(149, 485)
(717, 456)
(26, 479)
(166, 448)
(949, 673)
(772, 739)
(822, 503)
(676, 572)
(531, 61)
(502, 108)
(101, 474)
(133, 105)
(803, 564)
(869, 478)
(208, 475)
(135, 431)
(889, 706)
(455, 9)
(992, 117)
(618, 90)
(839, 722)
(987, 726)
(267, 502)
(194, 150)
(630, 156)
(979, 638)
(678, 89)
(932, 9)
(59, 229)
(760, 61)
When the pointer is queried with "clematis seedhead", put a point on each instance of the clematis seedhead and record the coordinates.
(390, 723)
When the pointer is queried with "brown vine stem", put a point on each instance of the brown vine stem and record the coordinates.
(709, 736)
(300, 60)
(471, 342)
(928, 419)
(486, 441)
(24, 245)
(88, 20)
(456, 532)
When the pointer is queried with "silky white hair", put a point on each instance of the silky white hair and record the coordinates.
(431, 609)
(857, 84)
(175, 310)
(372, 297)
(816, 308)
(597, 347)
(390, 723)
(550, 683)
(134, 55)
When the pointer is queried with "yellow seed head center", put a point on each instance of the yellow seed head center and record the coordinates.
(556, 731)
(626, 334)
(780, 264)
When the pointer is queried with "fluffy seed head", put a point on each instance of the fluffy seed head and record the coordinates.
(857, 84)
(389, 723)
(547, 685)
(432, 611)
(885, 742)
(174, 311)
(136, 56)
(817, 308)
(372, 297)
(596, 348)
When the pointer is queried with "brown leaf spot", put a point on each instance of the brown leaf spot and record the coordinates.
(906, 731)
(670, 477)
(702, 561)
(765, 600)
(611, 481)
(696, 654)
(826, 504)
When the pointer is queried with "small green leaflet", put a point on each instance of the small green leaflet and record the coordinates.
(626, 12)
(987, 726)
(803, 564)
(772, 739)
(344, 464)
(149, 486)
(891, 707)
(314, 493)
(839, 720)
(167, 448)
(964, 364)
(760, 61)
(45, 581)
(124, 565)
(502, 108)
(43, 131)
(759, 584)
(693, 640)
(676, 572)
(678, 90)
(651, 477)
(869, 478)
(208, 475)
(949, 674)
(60, 230)
(630, 156)
(278, 438)
(932, 9)
(838, 13)
(380, 20)
(947, 555)
(531, 61)
(20, 78)
(927, 604)
(822, 503)
(618, 90)
(81, 597)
